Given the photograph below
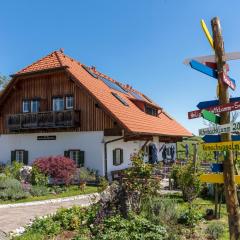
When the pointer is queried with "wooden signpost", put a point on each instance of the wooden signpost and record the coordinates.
(228, 107)
(211, 117)
(214, 103)
(217, 138)
(228, 177)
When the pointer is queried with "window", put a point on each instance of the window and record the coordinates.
(120, 99)
(112, 85)
(20, 156)
(117, 156)
(69, 102)
(77, 156)
(26, 106)
(35, 105)
(151, 111)
(58, 104)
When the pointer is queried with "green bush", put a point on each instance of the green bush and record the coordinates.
(86, 174)
(44, 226)
(190, 217)
(38, 190)
(215, 230)
(160, 210)
(135, 228)
(13, 171)
(38, 178)
(7, 182)
(70, 219)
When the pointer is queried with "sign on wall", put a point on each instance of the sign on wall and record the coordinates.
(51, 137)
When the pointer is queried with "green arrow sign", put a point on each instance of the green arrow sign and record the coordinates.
(210, 116)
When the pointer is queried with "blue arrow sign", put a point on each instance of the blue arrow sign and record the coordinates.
(217, 138)
(206, 70)
(213, 103)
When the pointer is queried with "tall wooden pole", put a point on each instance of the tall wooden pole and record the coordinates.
(228, 165)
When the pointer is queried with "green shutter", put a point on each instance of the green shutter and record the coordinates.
(66, 154)
(81, 159)
(25, 158)
(121, 156)
(114, 157)
(13, 156)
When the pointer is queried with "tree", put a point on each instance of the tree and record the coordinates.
(4, 80)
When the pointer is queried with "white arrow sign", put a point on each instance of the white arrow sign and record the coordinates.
(226, 128)
(211, 58)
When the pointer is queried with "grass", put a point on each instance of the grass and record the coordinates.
(70, 192)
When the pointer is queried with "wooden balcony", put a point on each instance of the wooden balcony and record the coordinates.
(43, 120)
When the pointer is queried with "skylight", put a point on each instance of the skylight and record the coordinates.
(120, 99)
(90, 71)
(112, 85)
(137, 96)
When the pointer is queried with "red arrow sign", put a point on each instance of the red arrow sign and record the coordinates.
(227, 80)
(217, 109)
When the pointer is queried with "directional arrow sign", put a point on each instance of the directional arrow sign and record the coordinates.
(216, 178)
(212, 58)
(225, 128)
(212, 73)
(213, 103)
(217, 109)
(217, 138)
(210, 116)
(221, 146)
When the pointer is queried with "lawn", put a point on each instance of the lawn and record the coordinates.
(70, 191)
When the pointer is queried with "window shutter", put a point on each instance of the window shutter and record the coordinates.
(13, 156)
(81, 159)
(66, 154)
(25, 158)
(121, 156)
(114, 157)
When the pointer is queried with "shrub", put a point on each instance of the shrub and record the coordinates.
(86, 174)
(59, 168)
(160, 210)
(215, 230)
(190, 217)
(38, 178)
(190, 183)
(25, 173)
(136, 227)
(13, 194)
(13, 170)
(45, 226)
(39, 190)
(7, 182)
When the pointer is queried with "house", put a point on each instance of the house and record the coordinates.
(58, 106)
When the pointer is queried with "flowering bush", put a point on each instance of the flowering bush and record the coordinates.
(60, 169)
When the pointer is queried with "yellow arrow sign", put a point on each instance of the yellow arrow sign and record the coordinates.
(207, 33)
(221, 146)
(216, 178)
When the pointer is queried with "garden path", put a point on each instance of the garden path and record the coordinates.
(12, 218)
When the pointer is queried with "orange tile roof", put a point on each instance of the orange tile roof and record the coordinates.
(131, 117)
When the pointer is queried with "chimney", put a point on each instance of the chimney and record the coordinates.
(93, 68)
(61, 50)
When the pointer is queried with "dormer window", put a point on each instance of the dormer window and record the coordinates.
(151, 111)
(26, 106)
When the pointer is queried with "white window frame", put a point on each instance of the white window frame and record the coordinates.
(26, 106)
(19, 155)
(74, 155)
(35, 101)
(69, 99)
(57, 109)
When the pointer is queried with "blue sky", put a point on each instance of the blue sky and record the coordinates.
(139, 42)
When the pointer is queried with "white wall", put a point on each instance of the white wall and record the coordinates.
(130, 148)
(90, 142)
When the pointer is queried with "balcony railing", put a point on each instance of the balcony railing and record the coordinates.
(43, 120)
